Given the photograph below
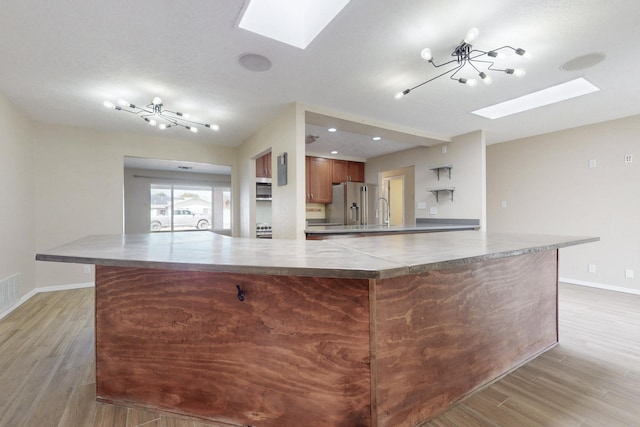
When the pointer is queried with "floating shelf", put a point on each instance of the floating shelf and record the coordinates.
(436, 191)
(437, 170)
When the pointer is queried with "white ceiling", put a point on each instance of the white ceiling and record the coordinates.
(61, 59)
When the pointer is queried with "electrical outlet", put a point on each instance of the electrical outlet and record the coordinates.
(592, 268)
(504, 204)
(593, 163)
(422, 205)
(628, 273)
(87, 269)
(433, 210)
(444, 149)
(628, 158)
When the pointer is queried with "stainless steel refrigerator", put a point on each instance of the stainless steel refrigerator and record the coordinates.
(353, 203)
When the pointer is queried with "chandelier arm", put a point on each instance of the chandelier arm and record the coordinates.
(118, 108)
(458, 69)
(479, 54)
(170, 120)
(181, 118)
(504, 47)
(139, 109)
(443, 64)
(433, 78)
(149, 114)
(474, 67)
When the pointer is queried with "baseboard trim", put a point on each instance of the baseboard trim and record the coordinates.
(33, 292)
(600, 286)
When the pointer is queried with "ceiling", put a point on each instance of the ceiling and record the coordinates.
(62, 59)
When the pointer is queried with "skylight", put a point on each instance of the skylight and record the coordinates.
(551, 95)
(294, 22)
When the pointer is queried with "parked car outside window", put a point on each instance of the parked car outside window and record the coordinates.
(182, 218)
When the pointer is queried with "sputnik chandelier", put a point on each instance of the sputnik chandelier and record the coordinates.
(481, 61)
(155, 115)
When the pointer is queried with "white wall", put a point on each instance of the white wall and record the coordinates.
(284, 134)
(548, 187)
(17, 196)
(79, 180)
(467, 155)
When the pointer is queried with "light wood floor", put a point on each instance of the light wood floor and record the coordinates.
(591, 379)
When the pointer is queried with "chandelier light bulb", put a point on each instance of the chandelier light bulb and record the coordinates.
(108, 104)
(162, 126)
(123, 103)
(156, 100)
(426, 54)
(518, 72)
(472, 82)
(472, 34)
(192, 129)
(485, 78)
(152, 122)
(402, 94)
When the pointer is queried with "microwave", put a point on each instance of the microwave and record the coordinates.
(263, 190)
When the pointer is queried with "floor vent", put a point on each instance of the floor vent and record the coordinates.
(9, 290)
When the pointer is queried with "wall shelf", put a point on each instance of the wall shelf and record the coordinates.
(436, 191)
(437, 170)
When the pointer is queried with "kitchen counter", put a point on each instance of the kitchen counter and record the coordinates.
(379, 229)
(319, 231)
(376, 257)
(385, 331)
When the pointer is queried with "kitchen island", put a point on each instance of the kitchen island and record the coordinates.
(383, 331)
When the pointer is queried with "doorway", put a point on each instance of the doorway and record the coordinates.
(394, 191)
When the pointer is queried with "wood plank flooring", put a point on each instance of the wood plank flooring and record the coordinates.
(591, 379)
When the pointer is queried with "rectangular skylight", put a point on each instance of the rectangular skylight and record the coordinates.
(561, 92)
(295, 22)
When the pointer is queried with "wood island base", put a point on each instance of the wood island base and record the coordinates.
(314, 351)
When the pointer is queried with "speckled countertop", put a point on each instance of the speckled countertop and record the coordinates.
(371, 257)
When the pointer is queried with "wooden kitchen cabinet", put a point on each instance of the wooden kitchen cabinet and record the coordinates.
(263, 166)
(344, 171)
(318, 179)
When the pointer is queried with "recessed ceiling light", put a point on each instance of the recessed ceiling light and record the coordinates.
(551, 95)
(293, 22)
(376, 138)
(332, 129)
(334, 152)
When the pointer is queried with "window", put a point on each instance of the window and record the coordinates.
(182, 207)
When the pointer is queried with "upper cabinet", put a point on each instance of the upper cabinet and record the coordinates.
(318, 179)
(344, 171)
(263, 166)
